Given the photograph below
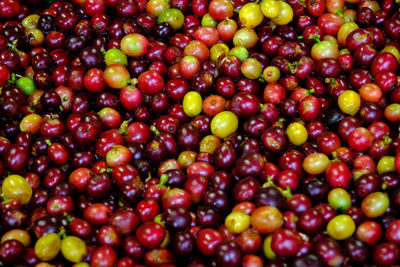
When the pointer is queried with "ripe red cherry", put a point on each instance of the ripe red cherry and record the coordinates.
(138, 132)
(329, 251)
(124, 173)
(328, 142)
(147, 209)
(112, 156)
(9, 9)
(4, 75)
(228, 253)
(16, 157)
(176, 197)
(369, 232)
(393, 232)
(130, 97)
(106, 141)
(11, 251)
(79, 227)
(245, 104)
(285, 243)
(288, 178)
(383, 62)
(207, 240)
(108, 236)
(60, 204)
(338, 174)
(104, 257)
(58, 153)
(93, 7)
(150, 82)
(386, 254)
(311, 221)
(150, 234)
(360, 139)
(310, 108)
(97, 214)
(93, 80)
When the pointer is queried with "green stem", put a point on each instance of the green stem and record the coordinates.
(315, 38)
(268, 183)
(280, 122)
(12, 79)
(158, 220)
(68, 217)
(123, 127)
(163, 179)
(154, 130)
(371, 77)
(62, 233)
(49, 2)
(13, 46)
(387, 140)
(331, 80)
(384, 186)
(133, 82)
(287, 192)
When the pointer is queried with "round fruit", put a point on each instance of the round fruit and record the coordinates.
(73, 249)
(297, 133)
(224, 124)
(26, 84)
(375, 204)
(48, 246)
(266, 219)
(173, 17)
(115, 56)
(250, 15)
(341, 227)
(285, 15)
(134, 45)
(349, 102)
(315, 163)
(236, 222)
(270, 8)
(192, 103)
(16, 187)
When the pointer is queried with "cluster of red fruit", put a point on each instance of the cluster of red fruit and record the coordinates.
(199, 133)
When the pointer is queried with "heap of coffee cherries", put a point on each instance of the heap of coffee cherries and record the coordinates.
(199, 133)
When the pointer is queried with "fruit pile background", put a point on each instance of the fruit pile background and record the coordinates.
(199, 133)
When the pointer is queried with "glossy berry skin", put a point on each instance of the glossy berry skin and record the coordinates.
(11, 251)
(150, 234)
(103, 256)
(285, 243)
(207, 240)
(150, 82)
(228, 252)
(386, 254)
(338, 174)
(178, 133)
